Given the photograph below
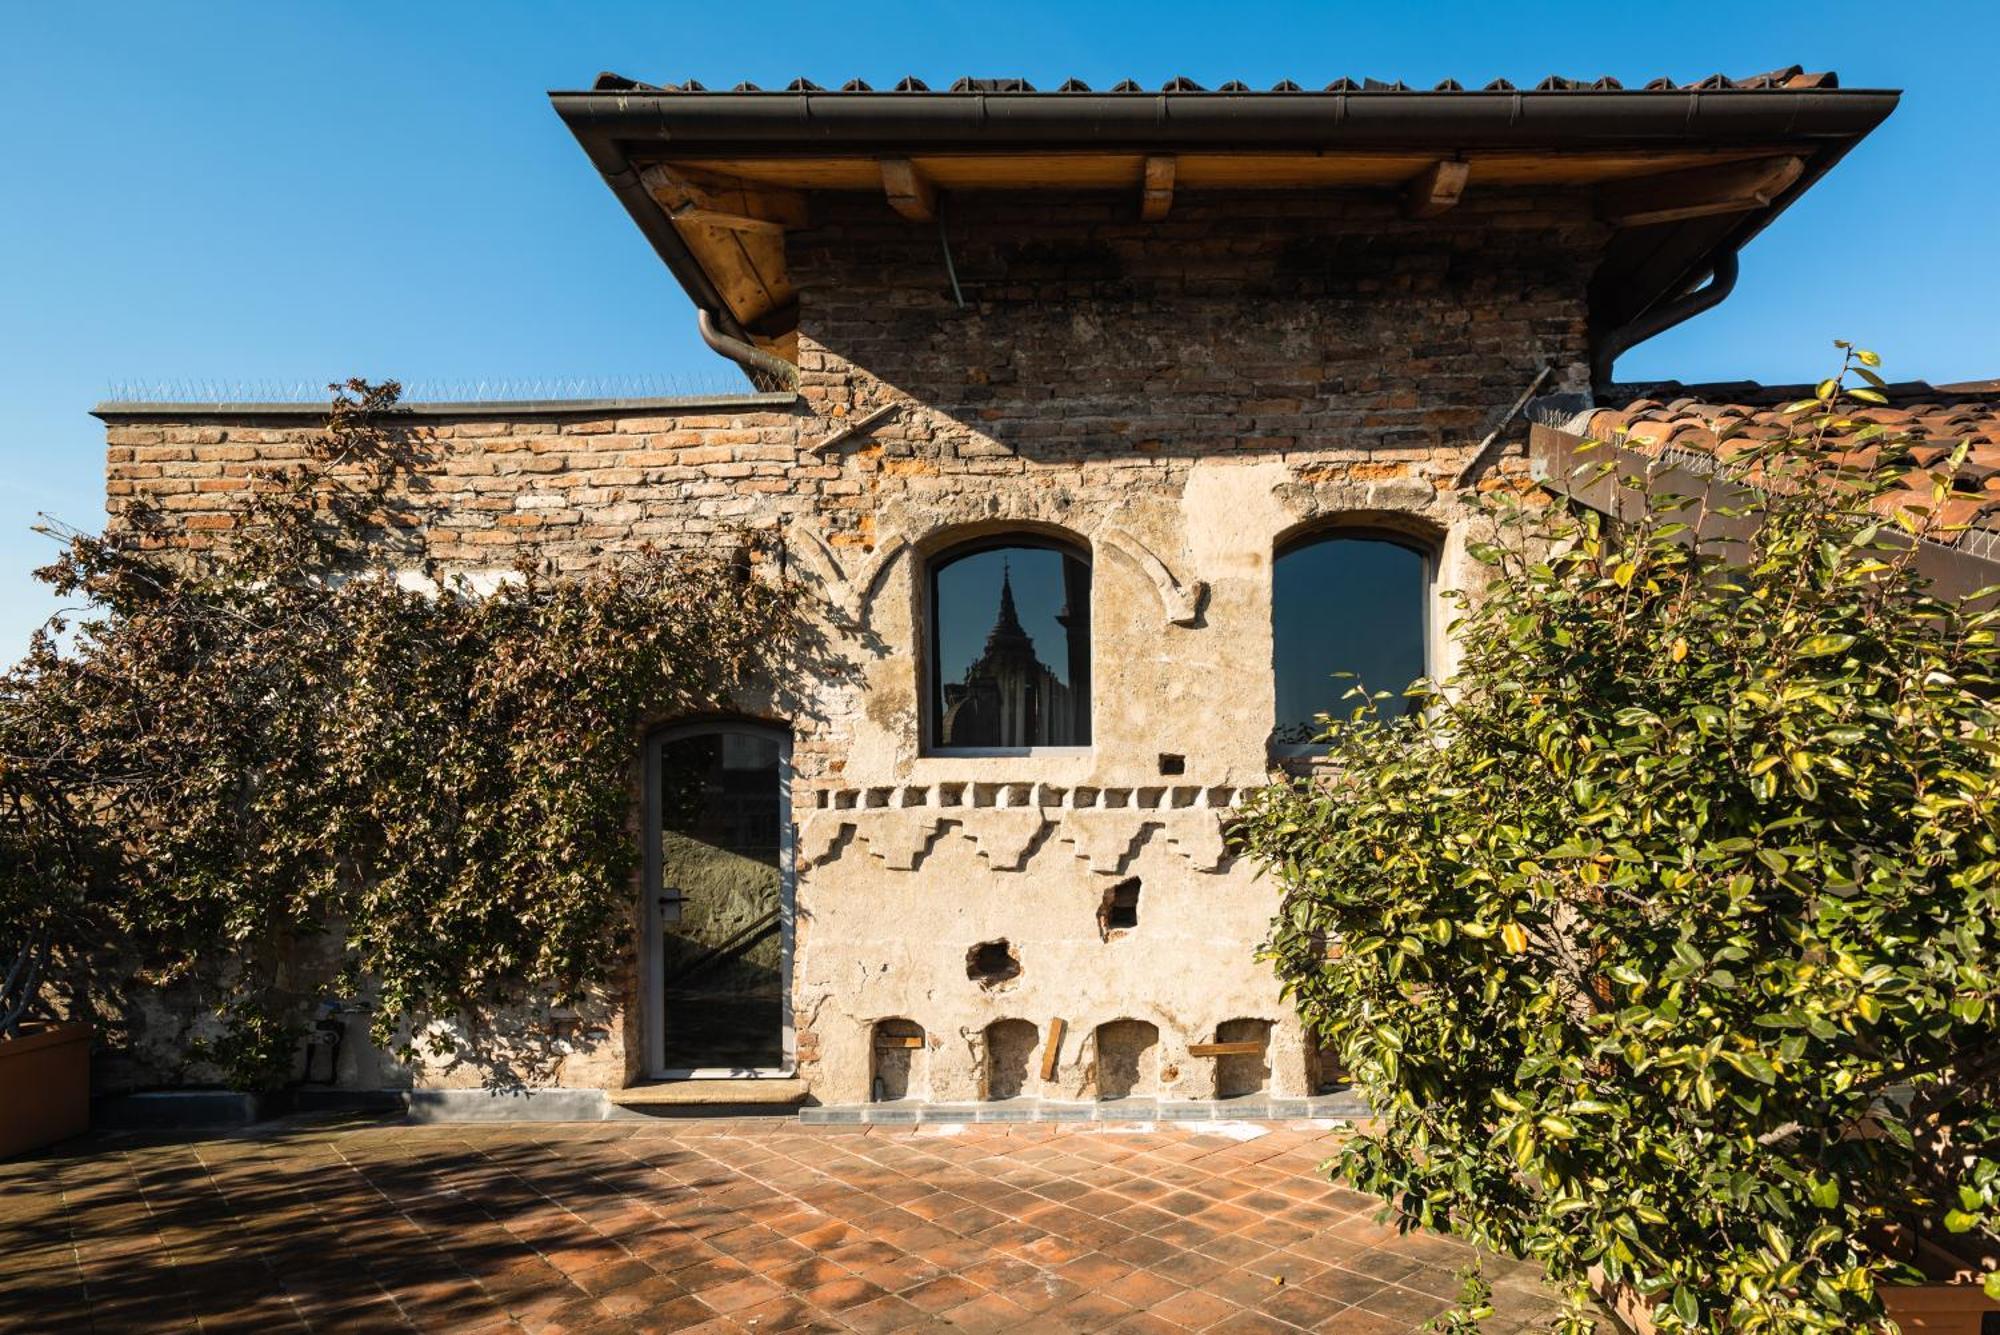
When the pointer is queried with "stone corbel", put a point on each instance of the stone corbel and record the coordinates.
(1182, 604)
(900, 836)
(820, 835)
(1105, 839)
(1197, 833)
(1006, 835)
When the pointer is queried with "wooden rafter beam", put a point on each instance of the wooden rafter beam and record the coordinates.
(1697, 192)
(911, 193)
(692, 195)
(734, 229)
(1156, 196)
(1436, 188)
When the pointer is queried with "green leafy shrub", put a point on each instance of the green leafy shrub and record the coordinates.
(1663, 936)
(239, 756)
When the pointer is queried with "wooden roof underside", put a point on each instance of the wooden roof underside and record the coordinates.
(733, 212)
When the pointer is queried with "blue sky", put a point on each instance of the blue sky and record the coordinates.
(302, 191)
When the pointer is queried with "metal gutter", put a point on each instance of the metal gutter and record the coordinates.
(873, 122)
(116, 411)
(1723, 517)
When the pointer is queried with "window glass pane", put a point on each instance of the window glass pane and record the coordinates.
(1010, 649)
(721, 938)
(1344, 605)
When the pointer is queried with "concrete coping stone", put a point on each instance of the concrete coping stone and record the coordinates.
(1332, 1106)
(140, 410)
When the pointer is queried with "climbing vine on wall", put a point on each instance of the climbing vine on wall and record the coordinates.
(306, 735)
(1665, 938)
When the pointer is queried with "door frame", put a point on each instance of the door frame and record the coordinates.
(652, 966)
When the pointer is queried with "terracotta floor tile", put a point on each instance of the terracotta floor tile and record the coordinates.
(1253, 1323)
(733, 1294)
(1303, 1308)
(839, 1294)
(942, 1294)
(882, 1315)
(1145, 1323)
(1093, 1311)
(1194, 1309)
(1242, 1287)
(1404, 1304)
(988, 1314)
(1345, 1286)
(732, 1225)
(1142, 1289)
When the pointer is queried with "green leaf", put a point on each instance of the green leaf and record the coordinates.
(1819, 646)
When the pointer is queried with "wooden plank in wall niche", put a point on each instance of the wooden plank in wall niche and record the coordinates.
(1053, 1049)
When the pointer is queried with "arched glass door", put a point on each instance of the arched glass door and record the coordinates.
(719, 900)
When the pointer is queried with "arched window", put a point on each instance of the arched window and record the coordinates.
(1348, 601)
(1010, 645)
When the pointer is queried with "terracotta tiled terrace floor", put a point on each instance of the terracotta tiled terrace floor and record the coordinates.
(716, 1226)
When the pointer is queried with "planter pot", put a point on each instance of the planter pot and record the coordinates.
(44, 1086)
(1934, 1309)
(1942, 1309)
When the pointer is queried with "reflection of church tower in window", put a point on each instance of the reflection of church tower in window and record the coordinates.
(1009, 696)
(1075, 620)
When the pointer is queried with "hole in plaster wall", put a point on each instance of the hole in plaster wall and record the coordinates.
(879, 797)
(1244, 1073)
(844, 799)
(985, 794)
(1119, 911)
(916, 797)
(823, 799)
(1083, 797)
(991, 963)
(1127, 1059)
(1221, 797)
(1186, 797)
(1048, 796)
(1172, 764)
(951, 794)
(899, 1061)
(1019, 794)
(1150, 798)
(1010, 1051)
(1117, 797)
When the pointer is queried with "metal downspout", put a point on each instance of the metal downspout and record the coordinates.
(1722, 281)
(763, 366)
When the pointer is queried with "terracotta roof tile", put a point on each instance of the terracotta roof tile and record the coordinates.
(1931, 420)
(1791, 77)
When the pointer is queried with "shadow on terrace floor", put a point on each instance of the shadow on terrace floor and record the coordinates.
(721, 1225)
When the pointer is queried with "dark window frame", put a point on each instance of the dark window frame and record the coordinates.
(930, 665)
(1426, 550)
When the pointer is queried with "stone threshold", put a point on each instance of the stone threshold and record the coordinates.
(764, 1092)
(1340, 1106)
